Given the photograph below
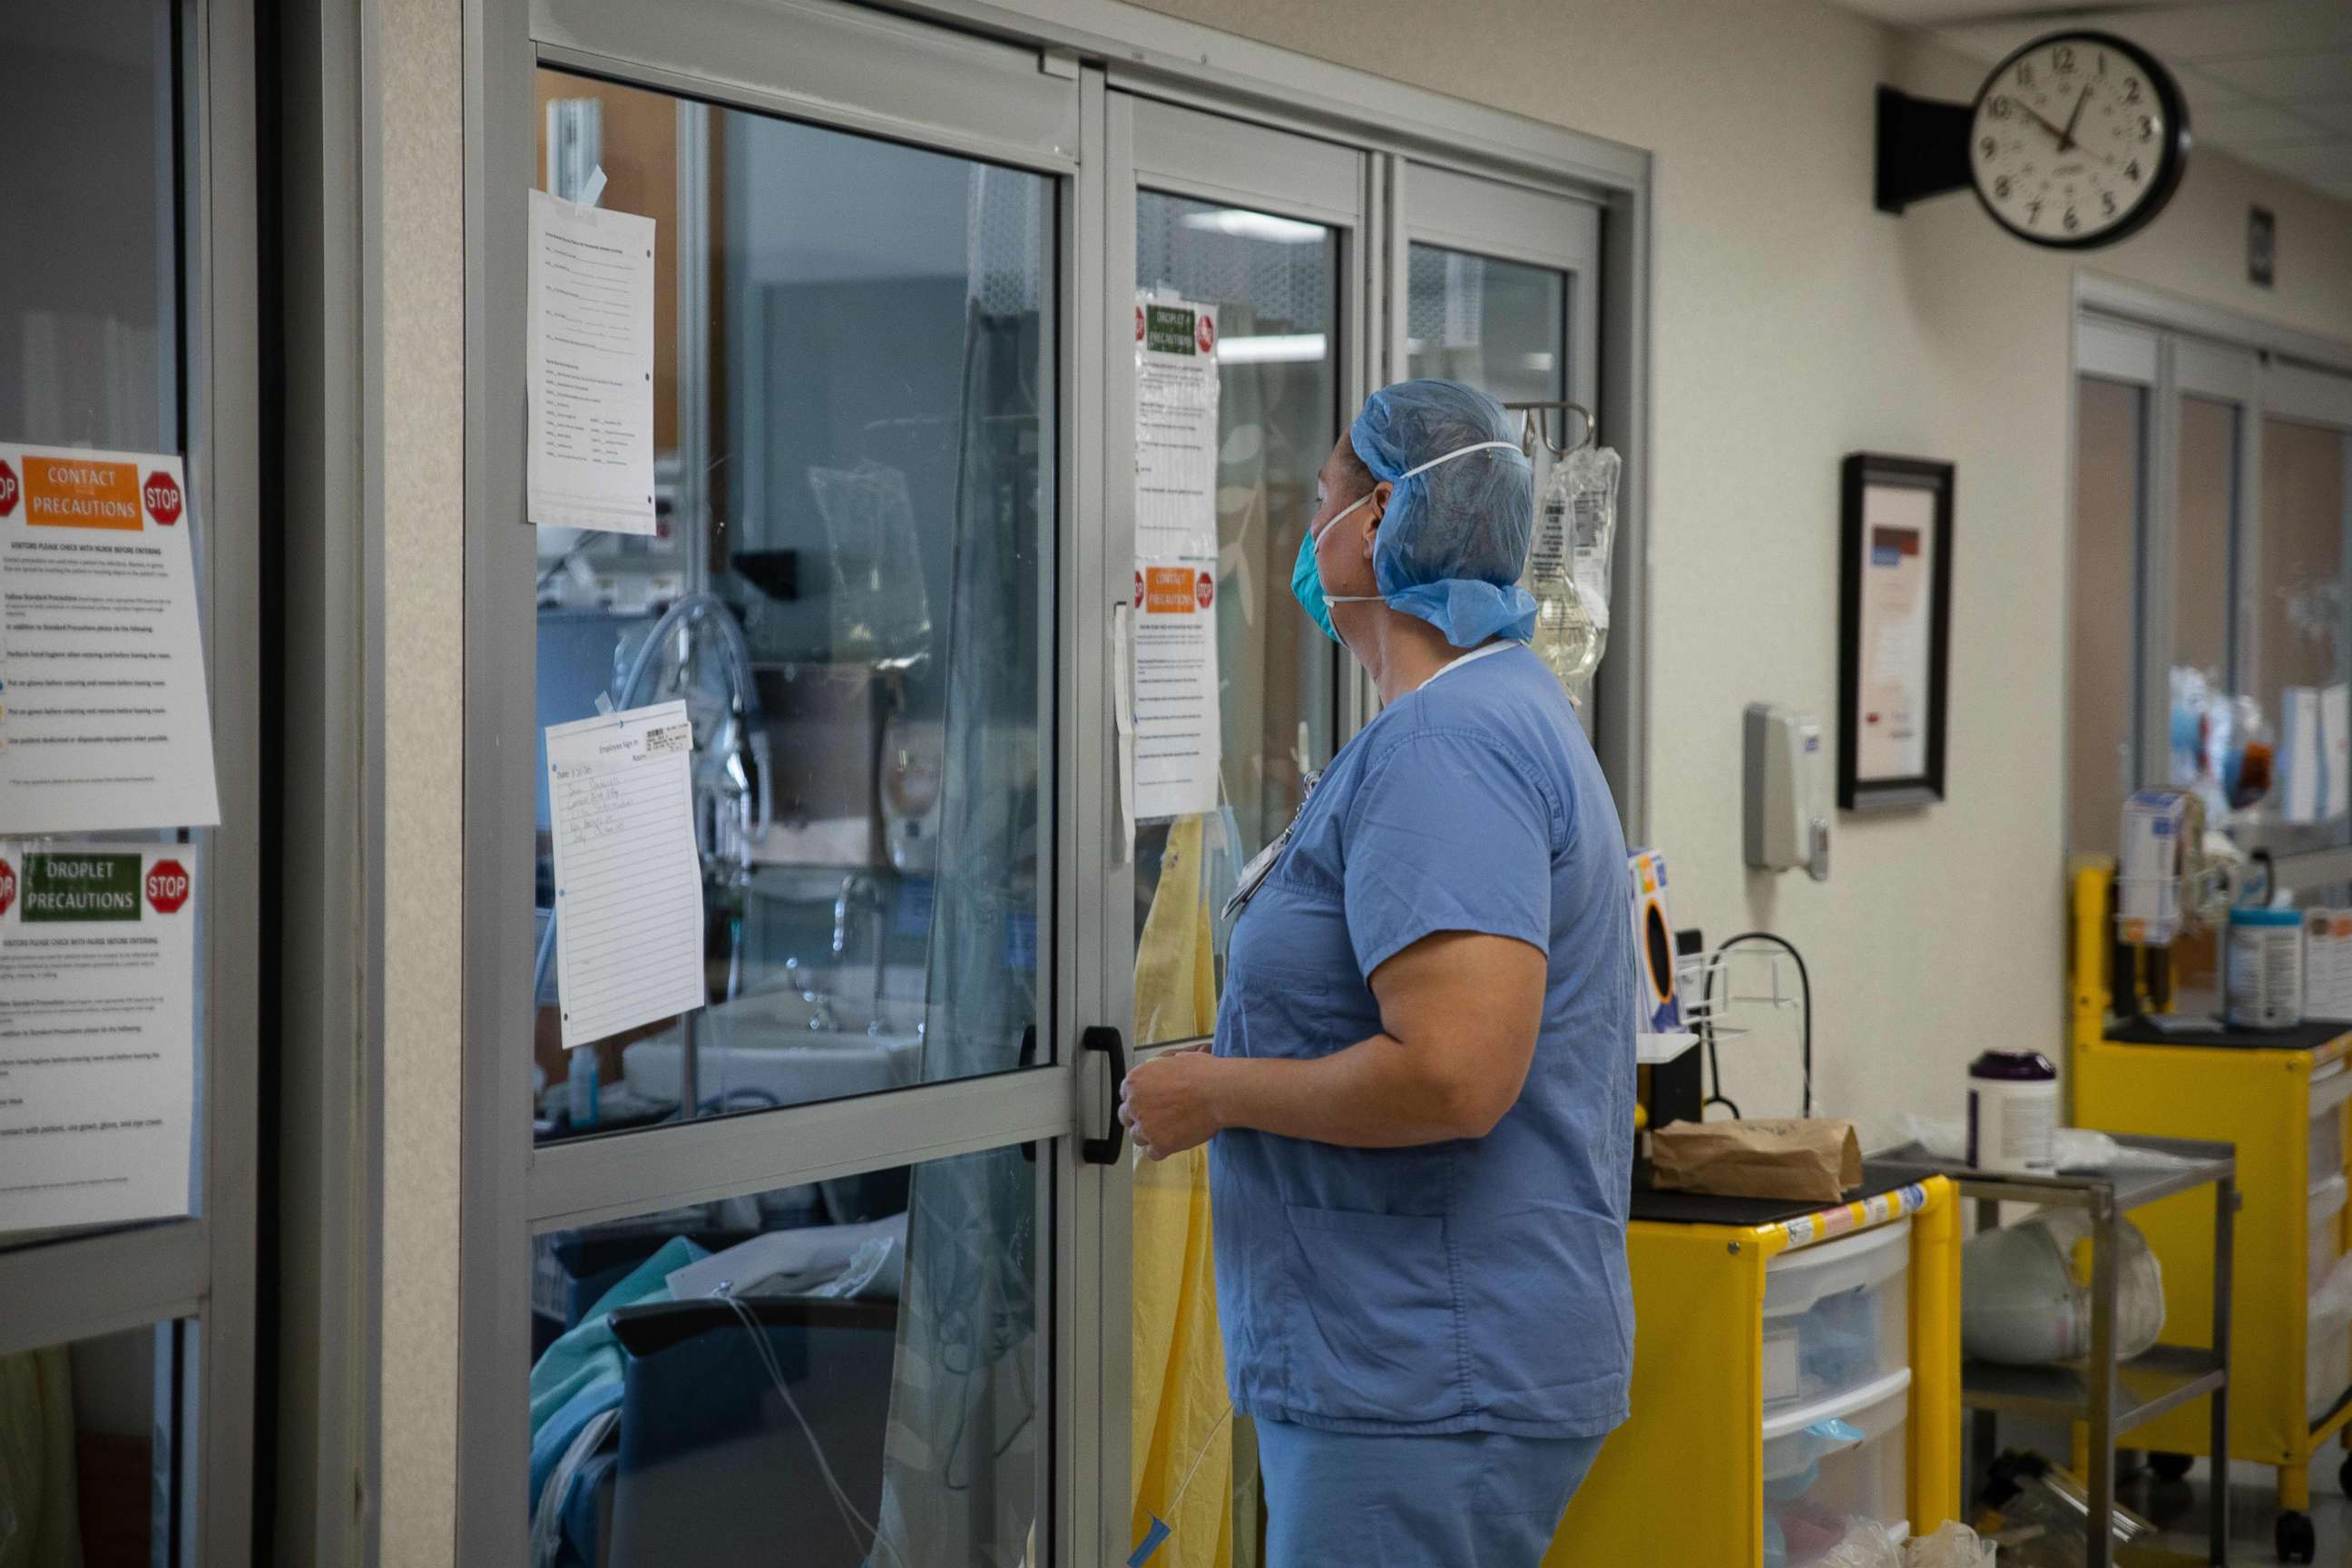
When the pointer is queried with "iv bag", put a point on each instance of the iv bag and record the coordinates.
(879, 609)
(1568, 565)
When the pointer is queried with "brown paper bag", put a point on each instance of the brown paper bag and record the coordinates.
(1815, 1160)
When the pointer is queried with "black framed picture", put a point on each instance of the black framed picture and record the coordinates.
(1894, 631)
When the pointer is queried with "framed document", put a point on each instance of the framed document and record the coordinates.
(1895, 628)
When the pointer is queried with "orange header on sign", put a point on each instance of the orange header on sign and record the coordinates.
(1168, 591)
(80, 492)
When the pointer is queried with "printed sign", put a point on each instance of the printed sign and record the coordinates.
(107, 724)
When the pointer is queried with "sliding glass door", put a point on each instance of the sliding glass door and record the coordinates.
(2209, 640)
(780, 1158)
(129, 1058)
(988, 399)
(1261, 234)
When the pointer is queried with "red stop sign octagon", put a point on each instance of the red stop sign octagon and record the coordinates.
(167, 886)
(8, 488)
(7, 886)
(162, 494)
(1205, 590)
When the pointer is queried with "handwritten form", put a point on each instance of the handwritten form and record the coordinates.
(628, 883)
(1178, 733)
(592, 367)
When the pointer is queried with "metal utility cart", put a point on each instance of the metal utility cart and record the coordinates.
(2108, 1395)
(2282, 1098)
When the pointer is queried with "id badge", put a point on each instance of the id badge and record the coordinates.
(1260, 864)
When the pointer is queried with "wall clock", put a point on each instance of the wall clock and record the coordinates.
(2074, 141)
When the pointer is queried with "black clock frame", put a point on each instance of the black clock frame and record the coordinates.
(1922, 144)
(2172, 162)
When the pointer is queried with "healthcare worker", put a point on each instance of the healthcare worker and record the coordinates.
(1421, 1088)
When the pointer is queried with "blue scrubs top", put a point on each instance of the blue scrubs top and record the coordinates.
(1472, 1286)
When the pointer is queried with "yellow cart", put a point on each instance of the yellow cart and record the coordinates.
(1788, 1374)
(2281, 1098)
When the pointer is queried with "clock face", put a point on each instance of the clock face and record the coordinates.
(2077, 140)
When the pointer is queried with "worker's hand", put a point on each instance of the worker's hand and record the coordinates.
(1167, 1102)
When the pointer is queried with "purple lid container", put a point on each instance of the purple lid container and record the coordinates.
(2014, 1066)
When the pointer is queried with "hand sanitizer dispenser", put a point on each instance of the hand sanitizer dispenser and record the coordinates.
(1786, 798)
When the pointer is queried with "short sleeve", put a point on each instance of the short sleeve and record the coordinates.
(1447, 833)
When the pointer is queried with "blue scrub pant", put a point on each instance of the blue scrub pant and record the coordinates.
(1466, 1500)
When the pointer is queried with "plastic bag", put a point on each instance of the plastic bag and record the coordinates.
(2024, 1303)
(1865, 1544)
(1954, 1546)
(2073, 1148)
(2332, 1300)
(2035, 1514)
(1568, 565)
(879, 605)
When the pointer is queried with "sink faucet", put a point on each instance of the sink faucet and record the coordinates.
(860, 893)
(819, 1005)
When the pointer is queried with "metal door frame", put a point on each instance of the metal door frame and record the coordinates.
(202, 1268)
(2173, 349)
(880, 73)
(860, 72)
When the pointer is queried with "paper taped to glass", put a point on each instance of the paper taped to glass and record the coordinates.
(1177, 732)
(97, 1032)
(104, 722)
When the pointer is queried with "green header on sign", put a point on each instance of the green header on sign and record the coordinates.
(1168, 330)
(81, 886)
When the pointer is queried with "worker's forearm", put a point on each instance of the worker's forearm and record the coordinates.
(1372, 1095)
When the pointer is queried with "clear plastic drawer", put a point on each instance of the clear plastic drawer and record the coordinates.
(1836, 1317)
(1833, 1466)
(2328, 1094)
(2326, 1236)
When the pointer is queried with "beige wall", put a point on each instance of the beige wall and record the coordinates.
(420, 485)
(1794, 323)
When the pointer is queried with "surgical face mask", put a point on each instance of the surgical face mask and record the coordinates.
(1306, 583)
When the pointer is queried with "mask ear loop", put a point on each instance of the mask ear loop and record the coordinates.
(1420, 468)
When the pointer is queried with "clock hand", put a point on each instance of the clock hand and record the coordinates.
(2066, 137)
(2044, 124)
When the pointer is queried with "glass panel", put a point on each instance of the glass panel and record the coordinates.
(2201, 560)
(1501, 326)
(889, 1377)
(89, 1473)
(2110, 433)
(1275, 283)
(91, 319)
(853, 413)
(2302, 632)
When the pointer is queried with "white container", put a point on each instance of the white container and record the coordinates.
(1814, 1483)
(2012, 1112)
(2264, 974)
(2327, 1240)
(1836, 1316)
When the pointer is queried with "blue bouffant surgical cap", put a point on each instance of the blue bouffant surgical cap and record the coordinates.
(1454, 540)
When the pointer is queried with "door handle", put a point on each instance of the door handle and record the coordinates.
(1104, 1150)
